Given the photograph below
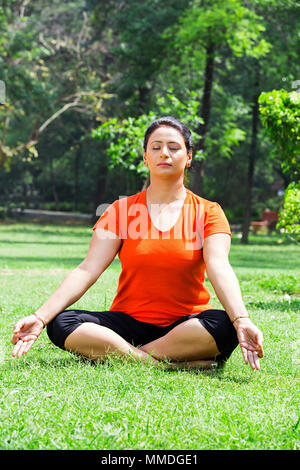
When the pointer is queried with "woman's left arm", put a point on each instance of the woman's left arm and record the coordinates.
(226, 286)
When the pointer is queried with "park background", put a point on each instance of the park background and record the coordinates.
(80, 83)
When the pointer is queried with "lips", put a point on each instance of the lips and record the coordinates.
(164, 164)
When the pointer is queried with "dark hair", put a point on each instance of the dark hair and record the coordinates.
(172, 122)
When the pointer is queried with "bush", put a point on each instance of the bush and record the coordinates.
(289, 218)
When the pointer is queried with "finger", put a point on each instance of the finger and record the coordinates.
(245, 354)
(251, 359)
(16, 348)
(15, 339)
(259, 338)
(256, 360)
(254, 348)
(260, 352)
(28, 337)
(21, 349)
(249, 347)
(260, 342)
(28, 345)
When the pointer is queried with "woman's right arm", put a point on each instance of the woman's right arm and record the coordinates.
(103, 248)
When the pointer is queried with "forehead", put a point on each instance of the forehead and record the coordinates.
(166, 134)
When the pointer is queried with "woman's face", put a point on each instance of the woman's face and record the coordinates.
(166, 153)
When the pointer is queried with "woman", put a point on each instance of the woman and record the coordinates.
(166, 238)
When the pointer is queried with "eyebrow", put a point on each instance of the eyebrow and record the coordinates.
(170, 142)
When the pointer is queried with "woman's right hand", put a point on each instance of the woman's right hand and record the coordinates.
(26, 332)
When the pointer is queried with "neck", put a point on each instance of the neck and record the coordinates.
(165, 191)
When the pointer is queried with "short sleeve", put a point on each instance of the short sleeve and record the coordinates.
(109, 220)
(215, 220)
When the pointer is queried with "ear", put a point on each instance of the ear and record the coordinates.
(145, 158)
(189, 159)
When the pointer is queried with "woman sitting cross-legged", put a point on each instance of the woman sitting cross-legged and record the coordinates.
(166, 237)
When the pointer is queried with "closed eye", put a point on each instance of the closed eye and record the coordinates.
(171, 148)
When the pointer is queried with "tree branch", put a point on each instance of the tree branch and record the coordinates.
(6, 123)
(85, 21)
(47, 46)
(22, 8)
(58, 113)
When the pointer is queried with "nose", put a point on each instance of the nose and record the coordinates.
(164, 152)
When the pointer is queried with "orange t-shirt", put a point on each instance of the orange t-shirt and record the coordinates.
(163, 273)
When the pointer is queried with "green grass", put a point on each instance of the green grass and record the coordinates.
(51, 399)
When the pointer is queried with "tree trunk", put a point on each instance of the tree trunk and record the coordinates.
(143, 92)
(53, 185)
(252, 156)
(76, 176)
(198, 166)
(100, 188)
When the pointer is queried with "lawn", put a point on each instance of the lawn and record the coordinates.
(51, 399)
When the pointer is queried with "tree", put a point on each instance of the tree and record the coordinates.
(280, 115)
(208, 25)
(252, 152)
(136, 47)
(289, 219)
(51, 64)
(281, 34)
(46, 64)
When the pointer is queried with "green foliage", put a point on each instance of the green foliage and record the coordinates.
(45, 56)
(137, 45)
(215, 23)
(125, 140)
(289, 216)
(280, 115)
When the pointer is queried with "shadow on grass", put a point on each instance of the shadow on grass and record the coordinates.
(49, 262)
(219, 373)
(268, 240)
(46, 242)
(36, 262)
(73, 362)
(46, 229)
(262, 260)
(233, 378)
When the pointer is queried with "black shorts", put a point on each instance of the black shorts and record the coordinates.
(137, 333)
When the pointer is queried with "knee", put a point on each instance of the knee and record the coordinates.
(61, 326)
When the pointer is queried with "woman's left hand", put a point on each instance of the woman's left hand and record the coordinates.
(251, 341)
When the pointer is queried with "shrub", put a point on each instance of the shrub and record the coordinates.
(289, 216)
